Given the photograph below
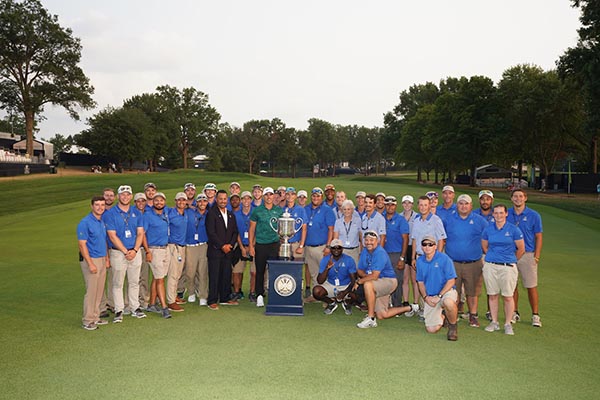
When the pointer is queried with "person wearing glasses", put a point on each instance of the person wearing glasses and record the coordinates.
(436, 279)
(376, 282)
(503, 245)
(263, 241)
(434, 199)
(337, 273)
(125, 230)
(373, 220)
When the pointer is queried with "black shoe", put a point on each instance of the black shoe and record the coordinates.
(104, 314)
(252, 297)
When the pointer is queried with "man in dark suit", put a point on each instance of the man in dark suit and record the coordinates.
(222, 232)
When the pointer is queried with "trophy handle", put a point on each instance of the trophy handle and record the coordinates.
(299, 221)
(273, 219)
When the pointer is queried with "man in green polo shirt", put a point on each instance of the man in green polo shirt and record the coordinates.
(264, 241)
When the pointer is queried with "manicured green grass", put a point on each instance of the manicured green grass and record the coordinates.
(237, 352)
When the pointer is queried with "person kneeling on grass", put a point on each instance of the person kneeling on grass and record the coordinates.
(436, 278)
(377, 280)
(336, 278)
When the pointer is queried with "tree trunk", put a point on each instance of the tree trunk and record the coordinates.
(185, 156)
(419, 176)
(29, 118)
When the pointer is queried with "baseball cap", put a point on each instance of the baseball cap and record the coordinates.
(486, 192)
(432, 194)
(201, 196)
(317, 190)
(235, 195)
(290, 189)
(449, 188)
(124, 189)
(234, 184)
(391, 200)
(210, 186)
(280, 188)
(360, 193)
(268, 189)
(149, 185)
(329, 186)
(371, 232)
(189, 186)
(302, 193)
(336, 243)
(180, 195)
(246, 193)
(408, 197)
(257, 186)
(380, 194)
(428, 238)
(160, 194)
(464, 197)
(139, 196)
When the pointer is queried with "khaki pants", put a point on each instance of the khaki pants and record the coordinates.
(144, 295)
(176, 262)
(313, 257)
(122, 267)
(195, 272)
(94, 289)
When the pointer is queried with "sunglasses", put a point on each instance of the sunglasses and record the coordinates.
(336, 248)
(427, 244)
(370, 234)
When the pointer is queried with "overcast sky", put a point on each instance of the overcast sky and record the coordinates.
(342, 61)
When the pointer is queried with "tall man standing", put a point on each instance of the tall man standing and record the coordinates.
(530, 223)
(222, 232)
(242, 218)
(448, 207)
(486, 201)
(396, 244)
(124, 226)
(178, 221)
(373, 220)
(140, 203)
(263, 241)
(196, 264)
(91, 235)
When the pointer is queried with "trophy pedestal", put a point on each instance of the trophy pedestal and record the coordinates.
(285, 288)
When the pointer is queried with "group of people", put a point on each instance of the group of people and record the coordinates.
(362, 254)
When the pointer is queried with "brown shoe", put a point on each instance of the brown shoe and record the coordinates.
(175, 307)
(179, 300)
(452, 332)
(231, 303)
(213, 306)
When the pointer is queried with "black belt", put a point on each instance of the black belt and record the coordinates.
(351, 248)
(505, 264)
(466, 262)
(315, 245)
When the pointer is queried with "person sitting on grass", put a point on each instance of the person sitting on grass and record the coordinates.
(336, 278)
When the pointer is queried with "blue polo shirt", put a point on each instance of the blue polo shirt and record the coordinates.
(177, 226)
(374, 222)
(529, 222)
(348, 232)
(196, 227)
(489, 218)
(243, 224)
(297, 212)
(432, 225)
(435, 273)
(124, 224)
(464, 236)
(341, 269)
(317, 226)
(93, 231)
(501, 243)
(156, 227)
(396, 226)
(444, 213)
(360, 214)
(378, 260)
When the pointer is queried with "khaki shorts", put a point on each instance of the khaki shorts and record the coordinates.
(500, 279)
(433, 315)
(383, 288)
(528, 270)
(240, 267)
(160, 263)
(471, 276)
(332, 290)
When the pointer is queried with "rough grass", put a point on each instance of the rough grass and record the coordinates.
(238, 352)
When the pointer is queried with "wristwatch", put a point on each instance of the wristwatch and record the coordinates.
(402, 258)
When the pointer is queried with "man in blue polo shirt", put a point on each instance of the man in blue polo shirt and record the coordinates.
(299, 214)
(336, 278)
(486, 202)
(436, 279)
(319, 233)
(377, 280)
(447, 207)
(156, 226)
(124, 226)
(93, 260)
(178, 221)
(530, 223)
(195, 276)
(372, 220)
(463, 246)
(242, 219)
(397, 230)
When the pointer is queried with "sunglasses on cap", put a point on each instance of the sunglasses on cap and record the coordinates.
(431, 194)
(371, 234)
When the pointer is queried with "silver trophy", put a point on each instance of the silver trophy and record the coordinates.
(285, 227)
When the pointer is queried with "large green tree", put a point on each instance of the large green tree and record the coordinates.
(39, 63)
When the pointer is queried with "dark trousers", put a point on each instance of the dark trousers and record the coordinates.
(219, 277)
(263, 252)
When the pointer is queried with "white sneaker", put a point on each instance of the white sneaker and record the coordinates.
(260, 301)
(412, 311)
(536, 321)
(508, 329)
(203, 302)
(192, 298)
(368, 322)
